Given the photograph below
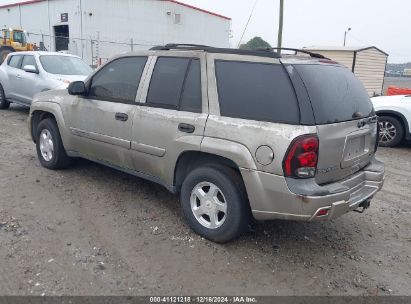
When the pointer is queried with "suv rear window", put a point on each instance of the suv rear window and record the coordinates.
(336, 94)
(256, 91)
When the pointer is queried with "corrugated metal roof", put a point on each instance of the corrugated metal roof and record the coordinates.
(172, 1)
(20, 3)
(197, 9)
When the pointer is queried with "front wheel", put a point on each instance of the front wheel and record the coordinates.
(214, 203)
(50, 150)
(391, 131)
(4, 104)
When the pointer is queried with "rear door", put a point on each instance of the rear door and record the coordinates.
(345, 119)
(13, 87)
(171, 116)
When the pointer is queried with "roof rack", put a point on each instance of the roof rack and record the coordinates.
(210, 49)
(312, 54)
(177, 46)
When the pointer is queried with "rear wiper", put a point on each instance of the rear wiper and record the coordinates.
(357, 115)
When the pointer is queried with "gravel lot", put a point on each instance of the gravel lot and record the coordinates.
(90, 230)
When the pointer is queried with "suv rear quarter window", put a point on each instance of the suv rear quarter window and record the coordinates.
(256, 91)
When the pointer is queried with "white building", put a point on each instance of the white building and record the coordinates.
(99, 29)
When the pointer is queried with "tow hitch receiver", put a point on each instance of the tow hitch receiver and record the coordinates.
(364, 205)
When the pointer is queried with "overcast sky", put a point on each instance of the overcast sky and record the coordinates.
(384, 24)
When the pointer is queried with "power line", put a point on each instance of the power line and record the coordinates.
(248, 22)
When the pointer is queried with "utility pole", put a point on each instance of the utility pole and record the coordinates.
(345, 35)
(280, 27)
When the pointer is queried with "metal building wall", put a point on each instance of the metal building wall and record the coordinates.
(106, 27)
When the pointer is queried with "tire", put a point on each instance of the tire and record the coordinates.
(391, 131)
(4, 104)
(3, 54)
(51, 155)
(219, 227)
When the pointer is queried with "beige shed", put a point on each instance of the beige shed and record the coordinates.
(367, 63)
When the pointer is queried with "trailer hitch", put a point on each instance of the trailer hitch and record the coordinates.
(364, 205)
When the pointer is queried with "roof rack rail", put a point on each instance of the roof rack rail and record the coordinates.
(312, 54)
(178, 46)
(210, 49)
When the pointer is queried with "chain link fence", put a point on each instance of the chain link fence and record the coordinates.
(94, 51)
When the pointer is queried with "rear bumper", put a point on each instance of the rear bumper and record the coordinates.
(272, 197)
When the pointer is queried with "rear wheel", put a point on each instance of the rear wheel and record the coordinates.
(50, 150)
(3, 54)
(214, 203)
(391, 131)
(4, 104)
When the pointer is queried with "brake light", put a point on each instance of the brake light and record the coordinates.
(322, 212)
(302, 157)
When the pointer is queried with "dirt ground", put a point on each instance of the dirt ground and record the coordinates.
(91, 230)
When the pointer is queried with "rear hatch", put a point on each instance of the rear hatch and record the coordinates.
(345, 119)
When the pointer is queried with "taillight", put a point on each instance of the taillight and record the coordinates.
(377, 141)
(302, 157)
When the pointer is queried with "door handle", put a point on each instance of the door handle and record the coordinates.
(18, 76)
(121, 116)
(186, 128)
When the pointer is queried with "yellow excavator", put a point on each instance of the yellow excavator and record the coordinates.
(13, 40)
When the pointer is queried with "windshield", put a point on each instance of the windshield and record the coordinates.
(336, 94)
(64, 65)
(19, 37)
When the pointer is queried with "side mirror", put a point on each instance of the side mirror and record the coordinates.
(30, 69)
(77, 88)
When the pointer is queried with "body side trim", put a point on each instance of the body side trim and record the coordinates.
(102, 138)
(156, 151)
(125, 170)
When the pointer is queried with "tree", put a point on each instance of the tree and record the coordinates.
(255, 43)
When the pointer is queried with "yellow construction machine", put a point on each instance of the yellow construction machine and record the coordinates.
(13, 40)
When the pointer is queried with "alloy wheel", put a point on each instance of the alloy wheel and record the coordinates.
(208, 205)
(46, 145)
(388, 132)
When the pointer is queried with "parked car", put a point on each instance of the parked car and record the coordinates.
(234, 132)
(24, 74)
(394, 116)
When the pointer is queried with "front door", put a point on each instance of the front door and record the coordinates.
(101, 122)
(171, 116)
(30, 82)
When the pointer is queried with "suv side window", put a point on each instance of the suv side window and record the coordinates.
(118, 80)
(256, 91)
(176, 84)
(29, 60)
(15, 61)
(191, 99)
